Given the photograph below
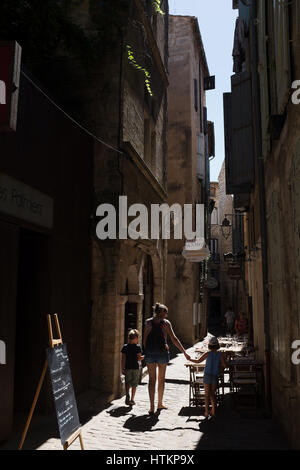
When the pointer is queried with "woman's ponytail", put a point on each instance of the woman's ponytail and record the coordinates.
(159, 308)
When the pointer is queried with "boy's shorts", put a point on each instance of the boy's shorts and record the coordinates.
(132, 377)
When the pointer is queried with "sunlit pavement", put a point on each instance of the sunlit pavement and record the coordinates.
(119, 427)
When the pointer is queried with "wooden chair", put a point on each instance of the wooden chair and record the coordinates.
(220, 390)
(196, 392)
(244, 384)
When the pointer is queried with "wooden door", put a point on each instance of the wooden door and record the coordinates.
(9, 235)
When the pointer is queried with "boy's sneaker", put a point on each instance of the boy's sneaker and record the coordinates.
(132, 402)
(127, 400)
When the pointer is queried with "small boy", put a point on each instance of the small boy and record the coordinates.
(131, 355)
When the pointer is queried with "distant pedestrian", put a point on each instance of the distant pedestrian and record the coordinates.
(230, 319)
(156, 349)
(241, 324)
(214, 361)
(131, 356)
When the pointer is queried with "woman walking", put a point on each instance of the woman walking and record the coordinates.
(156, 349)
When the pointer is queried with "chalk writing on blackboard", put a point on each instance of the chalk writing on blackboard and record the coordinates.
(63, 392)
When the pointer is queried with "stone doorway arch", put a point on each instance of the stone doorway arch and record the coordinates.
(134, 303)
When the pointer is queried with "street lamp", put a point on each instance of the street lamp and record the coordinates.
(226, 227)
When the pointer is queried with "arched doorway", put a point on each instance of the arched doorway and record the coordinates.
(131, 316)
(148, 282)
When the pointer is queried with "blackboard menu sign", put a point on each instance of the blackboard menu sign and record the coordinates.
(63, 392)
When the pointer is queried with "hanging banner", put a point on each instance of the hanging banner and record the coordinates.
(10, 65)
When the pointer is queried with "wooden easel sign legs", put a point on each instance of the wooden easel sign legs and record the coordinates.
(62, 387)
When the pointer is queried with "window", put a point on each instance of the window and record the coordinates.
(147, 140)
(149, 143)
(214, 216)
(200, 156)
(214, 246)
(196, 95)
(200, 98)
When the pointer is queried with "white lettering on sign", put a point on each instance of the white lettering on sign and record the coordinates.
(2, 92)
(24, 202)
(2, 353)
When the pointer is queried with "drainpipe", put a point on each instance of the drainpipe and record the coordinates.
(262, 197)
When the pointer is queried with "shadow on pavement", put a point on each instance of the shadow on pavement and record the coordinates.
(44, 426)
(141, 423)
(118, 411)
(235, 430)
(191, 411)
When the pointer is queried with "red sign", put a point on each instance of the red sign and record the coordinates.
(10, 62)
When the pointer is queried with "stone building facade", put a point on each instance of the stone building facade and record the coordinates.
(108, 71)
(128, 276)
(271, 200)
(188, 168)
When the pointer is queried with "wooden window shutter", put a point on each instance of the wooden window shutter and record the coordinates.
(282, 53)
(205, 123)
(239, 145)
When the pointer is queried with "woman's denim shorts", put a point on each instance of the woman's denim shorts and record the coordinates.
(158, 358)
(210, 379)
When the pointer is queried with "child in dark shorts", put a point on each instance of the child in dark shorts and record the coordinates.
(131, 355)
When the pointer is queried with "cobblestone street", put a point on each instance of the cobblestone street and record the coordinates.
(119, 427)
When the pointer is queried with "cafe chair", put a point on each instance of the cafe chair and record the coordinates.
(244, 385)
(220, 390)
(196, 392)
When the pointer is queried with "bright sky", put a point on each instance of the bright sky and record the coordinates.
(217, 22)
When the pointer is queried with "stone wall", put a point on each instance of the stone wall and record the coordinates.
(183, 277)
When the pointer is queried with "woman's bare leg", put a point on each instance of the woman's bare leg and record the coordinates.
(207, 391)
(151, 385)
(213, 399)
(161, 385)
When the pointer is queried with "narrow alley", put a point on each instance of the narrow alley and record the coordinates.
(149, 215)
(120, 427)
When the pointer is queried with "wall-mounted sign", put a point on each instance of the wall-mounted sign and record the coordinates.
(10, 60)
(24, 202)
(195, 251)
(235, 272)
